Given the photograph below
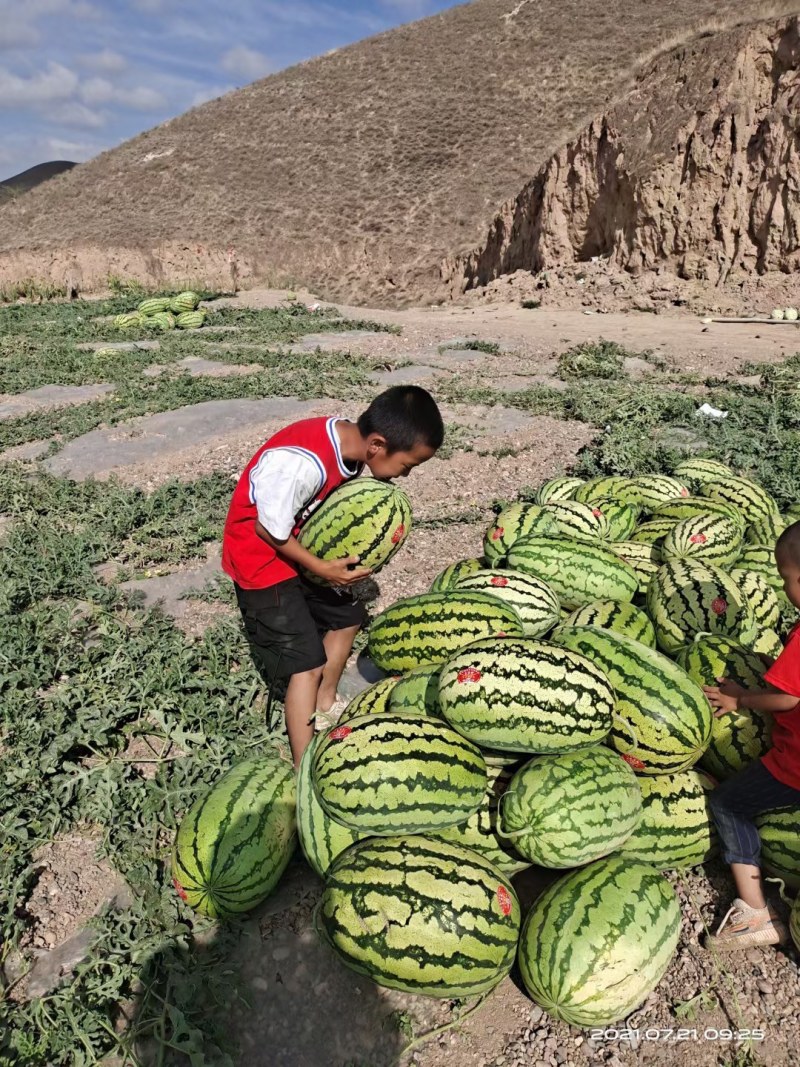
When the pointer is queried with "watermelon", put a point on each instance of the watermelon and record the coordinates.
(371, 701)
(597, 941)
(620, 519)
(447, 578)
(572, 808)
(429, 628)
(676, 829)
(705, 538)
(748, 496)
(184, 302)
(651, 490)
(418, 690)
(512, 524)
(522, 695)
(154, 305)
(623, 618)
(759, 596)
(578, 572)
(420, 915)
(643, 559)
(532, 599)
(653, 532)
(364, 518)
(563, 488)
(128, 320)
(190, 320)
(766, 643)
(162, 320)
(662, 718)
(322, 838)
(606, 487)
(235, 841)
(779, 831)
(697, 471)
(687, 507)
(765, 531)
(760, 559)
(480, 833)
(386, 774)
(685, 599)
(738, 737)
(580, 522)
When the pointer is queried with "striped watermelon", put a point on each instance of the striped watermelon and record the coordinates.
(371, 701)
(748, 496)
(581, 522)
(521, 695)
(447, 578)
(417, 690)
(780, 844)
(235, 841)
(429, 628)
(128, 320)
(760, 559)
(162, 320)
(697, 471)
(322, 838)
(420, 915)
(651, 490)
(532, 599)
(387, 774)
(598, 941)
(190, 320)
(622, 618)
(705, 538)
(766, 531)
(759, 596)
(512, 524)
(154, 305)
(663, 720)
(364, 518)
(578, 572)
(570, 809)
(480, 833)
(740, 736)
(184, 302)
(620, 518)
(643, 559)
(687, 507)
(563, 488)
(676, 829)
(766, 643)
(794, 923)
(685, 599)
(653, 532)
(606, 487)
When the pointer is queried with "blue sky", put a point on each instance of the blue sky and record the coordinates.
(78, 76)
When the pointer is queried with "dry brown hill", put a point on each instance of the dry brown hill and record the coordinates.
(33, 176)
(360, 172)
(696, 171)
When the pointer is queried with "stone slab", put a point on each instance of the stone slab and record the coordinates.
(152, 436)
(203, 368)
(411, 375)
(170, 591)
(51, 396)
(120, 346)
(25, 453)
(332, 341)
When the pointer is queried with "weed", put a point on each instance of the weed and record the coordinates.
(706, 1000)
(457, 438)
(491, 348)
(593, 359)
(531, 305)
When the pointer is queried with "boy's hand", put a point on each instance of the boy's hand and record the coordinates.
(337, 572)
(724, 698)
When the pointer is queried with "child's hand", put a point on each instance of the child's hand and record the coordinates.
(724, 698)
(337, 572)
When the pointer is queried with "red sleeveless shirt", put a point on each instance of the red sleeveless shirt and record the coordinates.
(246, 557)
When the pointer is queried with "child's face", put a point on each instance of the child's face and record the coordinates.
(790, 573)
(386, 465)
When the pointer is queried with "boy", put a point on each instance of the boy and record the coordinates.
(770, 782)
(302, 631)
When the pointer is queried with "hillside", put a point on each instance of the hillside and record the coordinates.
(33, 176)
(695, 171)
(361, 172)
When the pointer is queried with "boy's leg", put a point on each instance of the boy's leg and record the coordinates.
(338, 646)
(339, 616)
(300, 705)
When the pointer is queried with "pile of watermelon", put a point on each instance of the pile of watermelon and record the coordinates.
(542, 705)
(181, 311)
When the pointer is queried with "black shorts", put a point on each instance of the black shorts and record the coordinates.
(285, 623)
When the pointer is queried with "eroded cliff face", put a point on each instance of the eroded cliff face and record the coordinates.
(697, 171)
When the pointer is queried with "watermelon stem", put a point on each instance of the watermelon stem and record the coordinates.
(781, 890)
(628, 727)
(499, 827)
(439, 1030)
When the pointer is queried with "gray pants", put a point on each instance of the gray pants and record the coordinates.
(737, 801)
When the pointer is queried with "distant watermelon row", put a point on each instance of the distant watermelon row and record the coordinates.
(542, 704)
(181, 311)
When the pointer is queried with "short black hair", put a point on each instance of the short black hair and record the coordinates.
(788, 544)
(404, 415)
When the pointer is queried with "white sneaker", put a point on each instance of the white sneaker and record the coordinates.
(746, 927)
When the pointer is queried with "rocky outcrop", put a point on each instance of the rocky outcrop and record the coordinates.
(696, 171)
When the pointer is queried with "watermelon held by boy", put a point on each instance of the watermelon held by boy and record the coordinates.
(365, 518)
(420, 915)
(599, 940)
(236, 840)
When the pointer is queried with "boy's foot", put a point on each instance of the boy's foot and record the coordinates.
(746, 927)
(323, 720)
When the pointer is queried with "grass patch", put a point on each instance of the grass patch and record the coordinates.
(491, 348)
(593, 359)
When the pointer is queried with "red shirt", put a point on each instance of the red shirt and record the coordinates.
(246, 557)
(783, 759)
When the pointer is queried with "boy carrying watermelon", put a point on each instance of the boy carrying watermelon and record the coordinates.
(301, 631)
(770, 782)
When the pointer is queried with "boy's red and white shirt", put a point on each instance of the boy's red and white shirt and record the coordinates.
(783, 758)
(285, 481)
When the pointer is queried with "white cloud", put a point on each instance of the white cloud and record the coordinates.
(105, 61)
(210, 92)
(73, 113)
(17, 34)
(244, 62)
(54, 83)
(138, 98)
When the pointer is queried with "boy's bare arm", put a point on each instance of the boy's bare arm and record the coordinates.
(729, 696)
(335, 571)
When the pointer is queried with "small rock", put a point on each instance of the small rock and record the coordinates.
(765, 988)
(535, 1014)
